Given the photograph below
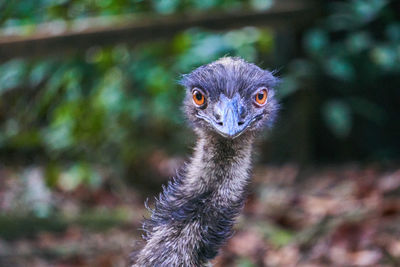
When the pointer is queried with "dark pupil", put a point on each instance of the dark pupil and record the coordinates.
(199, 96)
(260, 96)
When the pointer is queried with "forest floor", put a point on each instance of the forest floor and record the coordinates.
(344, 215)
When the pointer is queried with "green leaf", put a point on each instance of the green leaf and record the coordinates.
(261, 4)
(244, 262)
(315, 41)
(392, 32)
(39, 72)
(359, 41)
(12, 74)
(165, 6)
(337, 116)
(340, 69)
(385, 57)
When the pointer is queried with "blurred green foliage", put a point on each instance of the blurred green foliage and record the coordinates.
(112, 105)
(244, 262)
(115, 105)
(32, 12)
(350, 67)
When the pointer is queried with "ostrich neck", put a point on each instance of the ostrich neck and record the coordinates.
(195, 213)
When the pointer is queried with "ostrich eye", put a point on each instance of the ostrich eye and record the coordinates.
(261, 97)
(198, 98)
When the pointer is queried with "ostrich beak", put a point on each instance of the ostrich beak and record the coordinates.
(230, 124)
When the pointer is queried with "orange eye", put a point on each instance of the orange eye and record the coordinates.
(261, 97)
(198, 98)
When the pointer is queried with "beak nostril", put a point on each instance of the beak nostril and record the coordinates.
(240, 123)
(220, 123)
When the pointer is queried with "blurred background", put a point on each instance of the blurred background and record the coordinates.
(90, 126)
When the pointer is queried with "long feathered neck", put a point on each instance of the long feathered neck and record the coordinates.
(195, 213)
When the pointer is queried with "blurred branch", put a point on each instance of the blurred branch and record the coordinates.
(53, 37)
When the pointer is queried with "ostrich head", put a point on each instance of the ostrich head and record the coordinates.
(230, 97)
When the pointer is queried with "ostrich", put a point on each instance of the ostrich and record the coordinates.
(227, 102)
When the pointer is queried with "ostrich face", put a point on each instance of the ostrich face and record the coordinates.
(230, 96)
